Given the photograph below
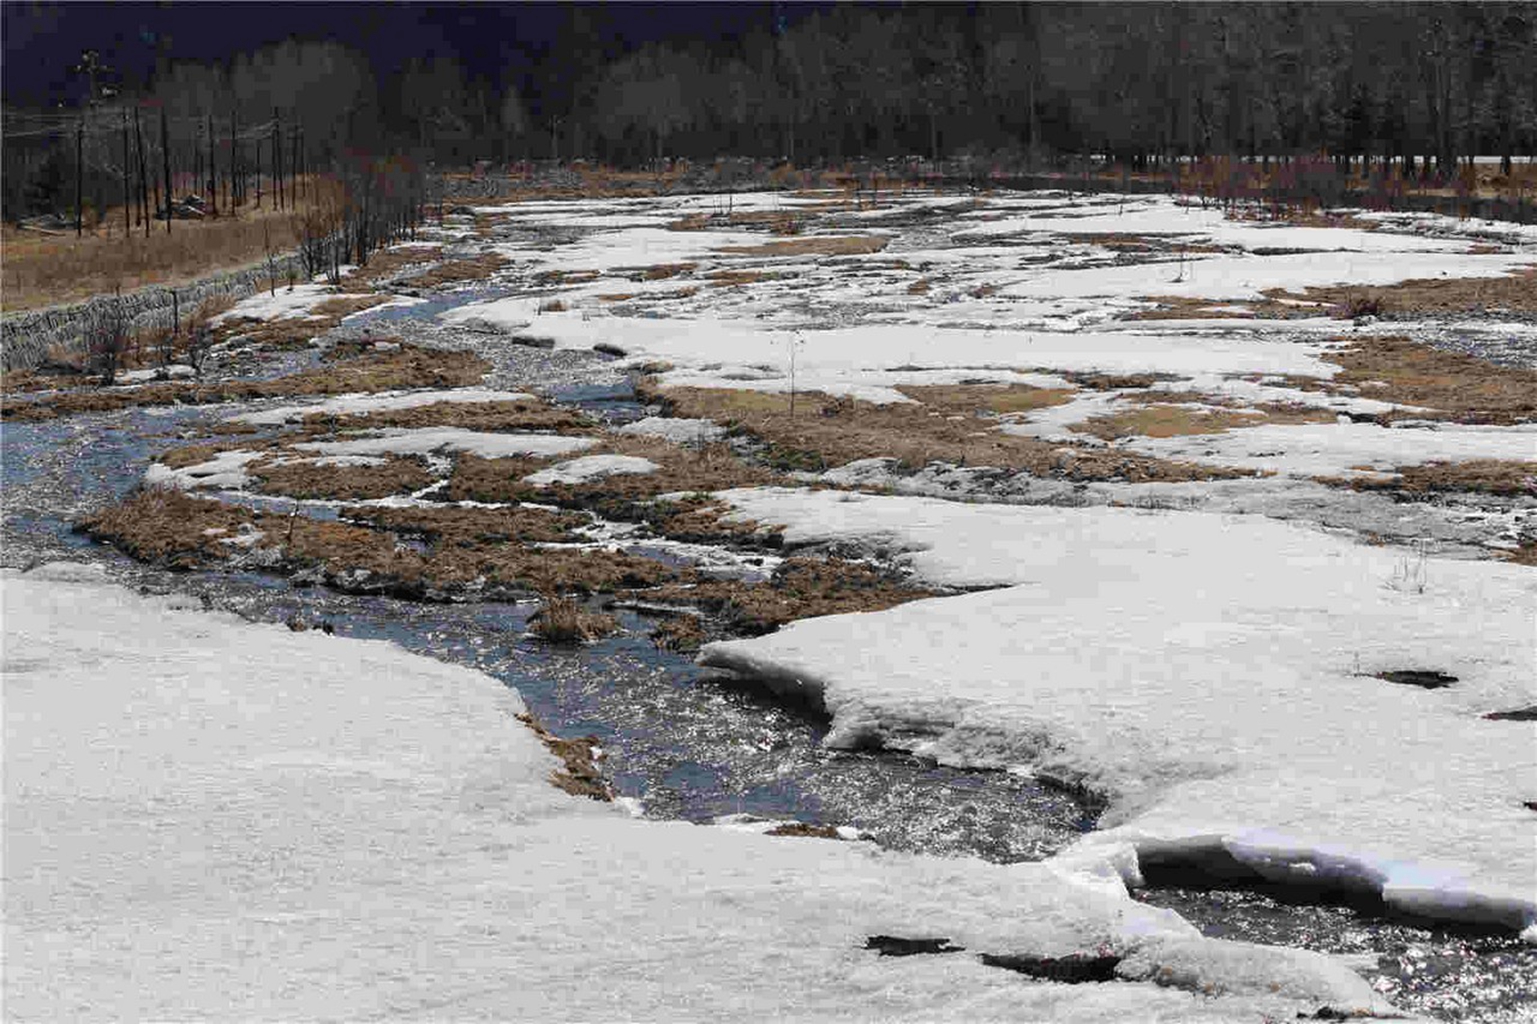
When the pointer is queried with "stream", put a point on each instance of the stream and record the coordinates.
(685, 743)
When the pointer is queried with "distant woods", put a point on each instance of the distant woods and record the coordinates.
(1418, 86)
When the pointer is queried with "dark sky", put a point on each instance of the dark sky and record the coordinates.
(499, 42)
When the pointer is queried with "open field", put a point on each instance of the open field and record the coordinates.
(1251, 578)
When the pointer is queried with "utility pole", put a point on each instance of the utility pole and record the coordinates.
(79, 175)
(126, 200)
(165, 163)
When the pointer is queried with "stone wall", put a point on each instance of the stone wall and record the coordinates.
(26, 337)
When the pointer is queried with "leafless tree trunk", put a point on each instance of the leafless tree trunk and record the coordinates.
(165, 164)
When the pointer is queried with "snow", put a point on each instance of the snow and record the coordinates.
(1212, 674)
(362, 404)
(224, 471)
(207, 818)
(590, 467)
(426, 440)
(284, 304)
(678, 431)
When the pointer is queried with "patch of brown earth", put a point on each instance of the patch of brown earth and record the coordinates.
(405, 367)
(828, 432)
(166, 527)
(735, 278)
(818, 245)
(1181, 307)
(1515, 292)
(801, 588)
(474, 268)
(508, 416)
(312, 478)
(1453, 386)
(1134, 243)
(995, 398)
(681, 633)
(1116, 381)
(1160, 416)
(919, 287)
(581, 776)
(387, 264)
(345, 306)
(802, 829)
(1483, 476)
(1525, 554)
(562, 620)
(710, 467)
(655, 272)
(567, 276)
(468, 527)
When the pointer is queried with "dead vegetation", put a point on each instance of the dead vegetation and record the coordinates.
(1173, 414)
(382, 266)
(681, 633)
(391, 369)
(801, 588)
(1450, 385)
(471, 527)
(522, 414)
(562, 620)
(164, 526)
(1515, 292)
(804, 830)
(1481, 476)
(582, 776)
(828, 432)
(316, 478)
(816, 245)
(971, 399)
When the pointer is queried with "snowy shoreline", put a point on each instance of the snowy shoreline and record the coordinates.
(208, 818)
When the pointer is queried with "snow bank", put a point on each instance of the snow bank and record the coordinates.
(361, 404)
(210, 819)
(285, 303)
(427, 440)
(590, 467)
(678, 431)
(1214, 675)
(225, 471)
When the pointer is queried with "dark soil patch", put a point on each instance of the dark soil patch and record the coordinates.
(313, 479)
(405, 367)
(1526, 714)
(1427, 679)
(1076, 969)
(827, 432)
(892, 945)
(582, 776)
(800, 588)
(802, 829)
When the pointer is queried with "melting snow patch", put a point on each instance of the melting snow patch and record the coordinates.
(590, 467)
(432, 439)
(345, 405)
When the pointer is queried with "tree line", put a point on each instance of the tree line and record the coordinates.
(1423, 86)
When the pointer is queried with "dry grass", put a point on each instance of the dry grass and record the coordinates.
(1158, 416)
(1515, 292)
(405, 367)
(311, 479)
(828, 432)
(801, 588)
(737, 278)
(506, 416)
(387, 264)
(1483, 476)
(996, 398)
(167, 527)
(710, 467)
(806, 831)
(562, 620)
(818, 245)
(1453, 386)
(655, 272)
(344, 306)
(46, 269)
(471, 527)
(919, 287)
(581, 777)
(475, 268)
(681, 633)
(1525, 554)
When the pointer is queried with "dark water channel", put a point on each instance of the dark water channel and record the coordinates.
(688, 746)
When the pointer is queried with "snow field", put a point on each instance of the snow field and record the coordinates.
(211, 819)
(1212, 675)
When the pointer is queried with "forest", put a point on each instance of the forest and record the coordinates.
(1019, 85)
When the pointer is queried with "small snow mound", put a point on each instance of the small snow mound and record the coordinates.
(678, 431)
(590, 467)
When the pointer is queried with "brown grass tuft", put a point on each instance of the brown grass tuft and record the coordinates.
(562, 620)
(581, 777)
(801, 588)
(681, 633)
(164, 526)
(1483, 476)
(308, 478)
(805, 830)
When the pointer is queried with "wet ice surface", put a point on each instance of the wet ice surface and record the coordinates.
(1441, 973)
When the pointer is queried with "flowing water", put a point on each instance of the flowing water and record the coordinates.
(689, 745)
